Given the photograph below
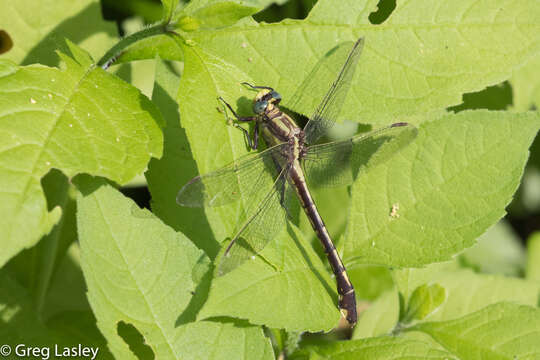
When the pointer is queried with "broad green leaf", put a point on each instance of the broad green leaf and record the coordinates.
(424, 300)
(142, 273)
(369, 281)
(448, 186)
(466, 291)
(212, 143)
(498, 251)
(286, 287)
(283, 54)
(526, 85)
(380, 318)
(37, 28)
(380, 348)
(499, 331)
(176, 167)
(79, 119)
(422, 59)
(533, 257)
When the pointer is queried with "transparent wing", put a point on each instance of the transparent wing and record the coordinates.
(328, 110)
(339, 163)
(266, 221)
(245, 177)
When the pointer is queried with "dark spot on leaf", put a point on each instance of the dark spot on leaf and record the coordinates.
(5, 42)
(134, 339)
(384, 9)
(293, 9)
(497, 97)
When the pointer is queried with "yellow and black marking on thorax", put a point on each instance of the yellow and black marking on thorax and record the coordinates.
(277, 127)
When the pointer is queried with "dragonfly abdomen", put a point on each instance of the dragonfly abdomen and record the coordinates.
(347, 300)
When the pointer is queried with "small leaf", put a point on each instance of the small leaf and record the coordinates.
(424, 300)
(466, 291)
(451, 184)
(499, 331)
(143, 273)
(286, 287)
(80, 119)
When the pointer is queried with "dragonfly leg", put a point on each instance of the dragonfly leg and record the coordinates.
(252, 144)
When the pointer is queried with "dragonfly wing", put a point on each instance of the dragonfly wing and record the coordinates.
(339, 163)
(245, 178)
(266, 221)
(331, 104)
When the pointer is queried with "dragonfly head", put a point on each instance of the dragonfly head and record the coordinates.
(265, 97)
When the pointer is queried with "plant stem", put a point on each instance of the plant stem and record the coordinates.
(119, 48)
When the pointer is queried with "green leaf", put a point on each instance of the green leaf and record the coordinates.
(526, 85)
(466, 291)
(533, 257)
(142, 273)
(214, 15)
(424, 300)
(369, 281)
(163, 46)
(80, 119)
(498, 251)
(448, 187)
(169, 6)
(422, 59)
(380, 348)
(499, 331)
(37, 28)
(380, 318)
(286, 287)
(167, 175)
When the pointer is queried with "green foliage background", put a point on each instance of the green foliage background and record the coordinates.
(453, 274)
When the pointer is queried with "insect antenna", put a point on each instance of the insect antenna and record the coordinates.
(257, 87)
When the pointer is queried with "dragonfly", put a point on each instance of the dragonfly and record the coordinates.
(292, 163)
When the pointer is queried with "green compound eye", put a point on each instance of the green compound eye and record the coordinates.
(276, 95)
(260, 106)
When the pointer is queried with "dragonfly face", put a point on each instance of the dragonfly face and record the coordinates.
(264, 98)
